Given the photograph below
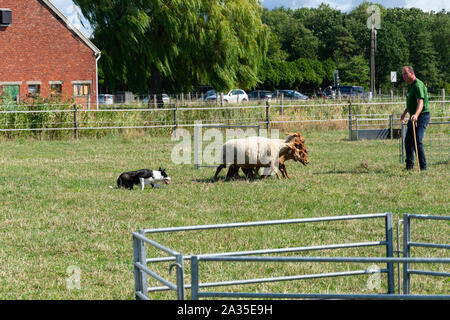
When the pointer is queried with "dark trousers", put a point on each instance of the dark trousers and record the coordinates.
(422, 122)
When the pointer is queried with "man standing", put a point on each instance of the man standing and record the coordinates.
(417, 107)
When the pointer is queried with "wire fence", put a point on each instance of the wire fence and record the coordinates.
(56, 120)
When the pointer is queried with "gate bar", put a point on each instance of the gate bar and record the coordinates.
(265, 223)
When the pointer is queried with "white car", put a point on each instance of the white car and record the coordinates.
(235, 96)
(105, 99)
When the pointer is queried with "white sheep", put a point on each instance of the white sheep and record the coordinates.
(253, 152)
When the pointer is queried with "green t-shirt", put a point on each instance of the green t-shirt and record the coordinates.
(415, 91)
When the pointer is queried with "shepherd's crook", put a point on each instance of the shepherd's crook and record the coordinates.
(415, 144)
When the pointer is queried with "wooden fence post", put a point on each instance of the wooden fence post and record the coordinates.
(281, 103)
(175, 124)
(75, 124)
(350, 119)
(443, 99)
(267, 116)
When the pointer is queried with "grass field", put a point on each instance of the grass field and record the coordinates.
(57, 211)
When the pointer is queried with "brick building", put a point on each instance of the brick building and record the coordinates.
(41, 52)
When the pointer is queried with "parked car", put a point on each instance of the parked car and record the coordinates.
(165, 98)
(210, 95)
(289, 95)
(299, 96)
(234, 96)
(352, 91)
(105, 99)
(260, 94)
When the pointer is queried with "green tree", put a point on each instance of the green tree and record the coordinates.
(355, 72)
(417, 29)
(392, 53)
(324, 22)
(305, 44)
(441, 35)
(345, 47)
(310, 73)
(153, 44)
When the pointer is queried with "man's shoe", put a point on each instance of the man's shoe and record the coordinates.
(408, 168)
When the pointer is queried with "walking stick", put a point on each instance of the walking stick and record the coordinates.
(415, 144)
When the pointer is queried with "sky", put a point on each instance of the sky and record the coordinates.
(73, 13)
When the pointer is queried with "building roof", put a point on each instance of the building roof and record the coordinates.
(71, 27)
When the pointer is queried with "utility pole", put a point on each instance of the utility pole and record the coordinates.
(373, 23)
(372, 58)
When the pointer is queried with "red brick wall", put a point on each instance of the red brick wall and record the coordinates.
(39, 47)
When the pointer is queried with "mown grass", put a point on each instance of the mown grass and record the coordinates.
(57, 211)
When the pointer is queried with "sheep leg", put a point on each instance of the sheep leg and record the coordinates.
(219, 168)
(284, 171)
(249, 173)
(236, 172)
(275, 170)
(233, 172)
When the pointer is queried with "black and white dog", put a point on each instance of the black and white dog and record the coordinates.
(143, 177)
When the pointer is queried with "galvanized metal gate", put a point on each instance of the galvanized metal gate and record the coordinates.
(141, 269)
(373, 126)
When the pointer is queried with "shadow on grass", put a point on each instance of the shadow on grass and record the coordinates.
(436, 163)
(224, 179)
(354, 171)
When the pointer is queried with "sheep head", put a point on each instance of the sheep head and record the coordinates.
(297, 154)
(295, 137)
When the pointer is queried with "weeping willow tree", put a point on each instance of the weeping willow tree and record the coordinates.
(175, 45)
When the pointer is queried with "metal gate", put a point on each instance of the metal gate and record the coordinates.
(142, 270)
(408, 245)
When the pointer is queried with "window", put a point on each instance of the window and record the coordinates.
(55, 89)
(81, 90)
(34, 89)
(11, 91)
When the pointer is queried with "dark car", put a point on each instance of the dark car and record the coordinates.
(260, 94)
(353, 91)
(289, 95)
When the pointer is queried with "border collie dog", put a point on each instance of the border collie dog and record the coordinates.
(143, 177)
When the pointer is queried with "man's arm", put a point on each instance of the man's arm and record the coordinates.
(419, 109)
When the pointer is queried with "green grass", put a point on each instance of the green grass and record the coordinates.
(57, 211)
